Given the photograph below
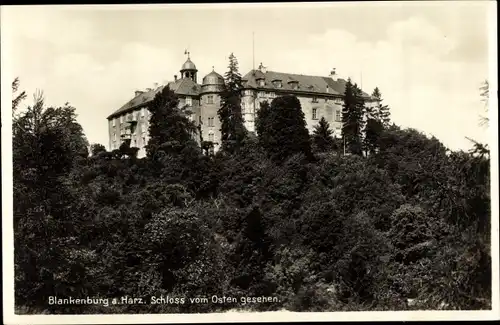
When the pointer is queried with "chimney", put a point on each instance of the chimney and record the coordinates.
(175, 77)
(138, 92)
(262, 68)
(333, 73)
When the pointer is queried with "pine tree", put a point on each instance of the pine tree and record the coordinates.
(232, 129)
(261, 118)
(322, 136)
(282, 129)
(170, 130)
(18, 96)
(382, 112)
(375, 117)
(352, 118)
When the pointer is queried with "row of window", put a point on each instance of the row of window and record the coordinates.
(130, 116)
(116, 144)
(263, 94)
(128, 133)
(338, 115)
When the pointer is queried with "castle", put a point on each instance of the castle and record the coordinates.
(319, 97)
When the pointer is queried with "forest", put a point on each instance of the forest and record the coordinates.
(384, 218)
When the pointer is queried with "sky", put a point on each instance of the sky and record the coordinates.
(427, 58)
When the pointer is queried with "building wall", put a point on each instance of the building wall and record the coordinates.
(325, 107)
(249, 109)
(202, 110)
(210, 111)
(120, 127)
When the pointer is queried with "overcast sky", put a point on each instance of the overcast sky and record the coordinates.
(427, 58)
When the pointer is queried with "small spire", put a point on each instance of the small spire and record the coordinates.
(213, 68)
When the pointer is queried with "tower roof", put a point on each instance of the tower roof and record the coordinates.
(213, 78)
(188, 65)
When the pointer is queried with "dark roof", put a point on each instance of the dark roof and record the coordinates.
(183, 86)
(188, 65)
(213, 78)
(308, 84)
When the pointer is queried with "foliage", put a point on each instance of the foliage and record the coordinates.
(232, 129)
(382, 112)
(96, 149)
(170, 130)
(282, 129)
(322, 136)
(353, 110)
(334, 233)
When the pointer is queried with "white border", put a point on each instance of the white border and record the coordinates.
(7, 222)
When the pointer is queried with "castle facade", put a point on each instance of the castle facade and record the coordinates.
(319, 96)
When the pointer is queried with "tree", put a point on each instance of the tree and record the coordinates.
(382, 112)
(97, 148)
(17, 97)
(232, 129)
(322, 136)
(377, 118)
(282, 129)
(170, 130)
(47, 144)
(352, 118)
(262, 118)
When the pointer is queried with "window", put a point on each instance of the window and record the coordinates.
(210, 99)
(189, 101)
(338, 101)
(338, 117)
(272, 95)
(315, 99)
(143, 112)
(114, 136)
(243, 108)
(114, 122)
(262, 94)
(122, 118)
(211, 137)
(210, 121)
(262, 82)
(315, 113)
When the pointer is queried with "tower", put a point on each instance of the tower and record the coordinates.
(188, 69)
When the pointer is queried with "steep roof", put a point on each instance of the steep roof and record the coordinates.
(183, 86)
(306, 83)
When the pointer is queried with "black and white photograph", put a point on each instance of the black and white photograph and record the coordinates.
(249, 162)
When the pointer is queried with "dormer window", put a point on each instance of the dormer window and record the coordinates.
(293, 84)
(277, 83)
